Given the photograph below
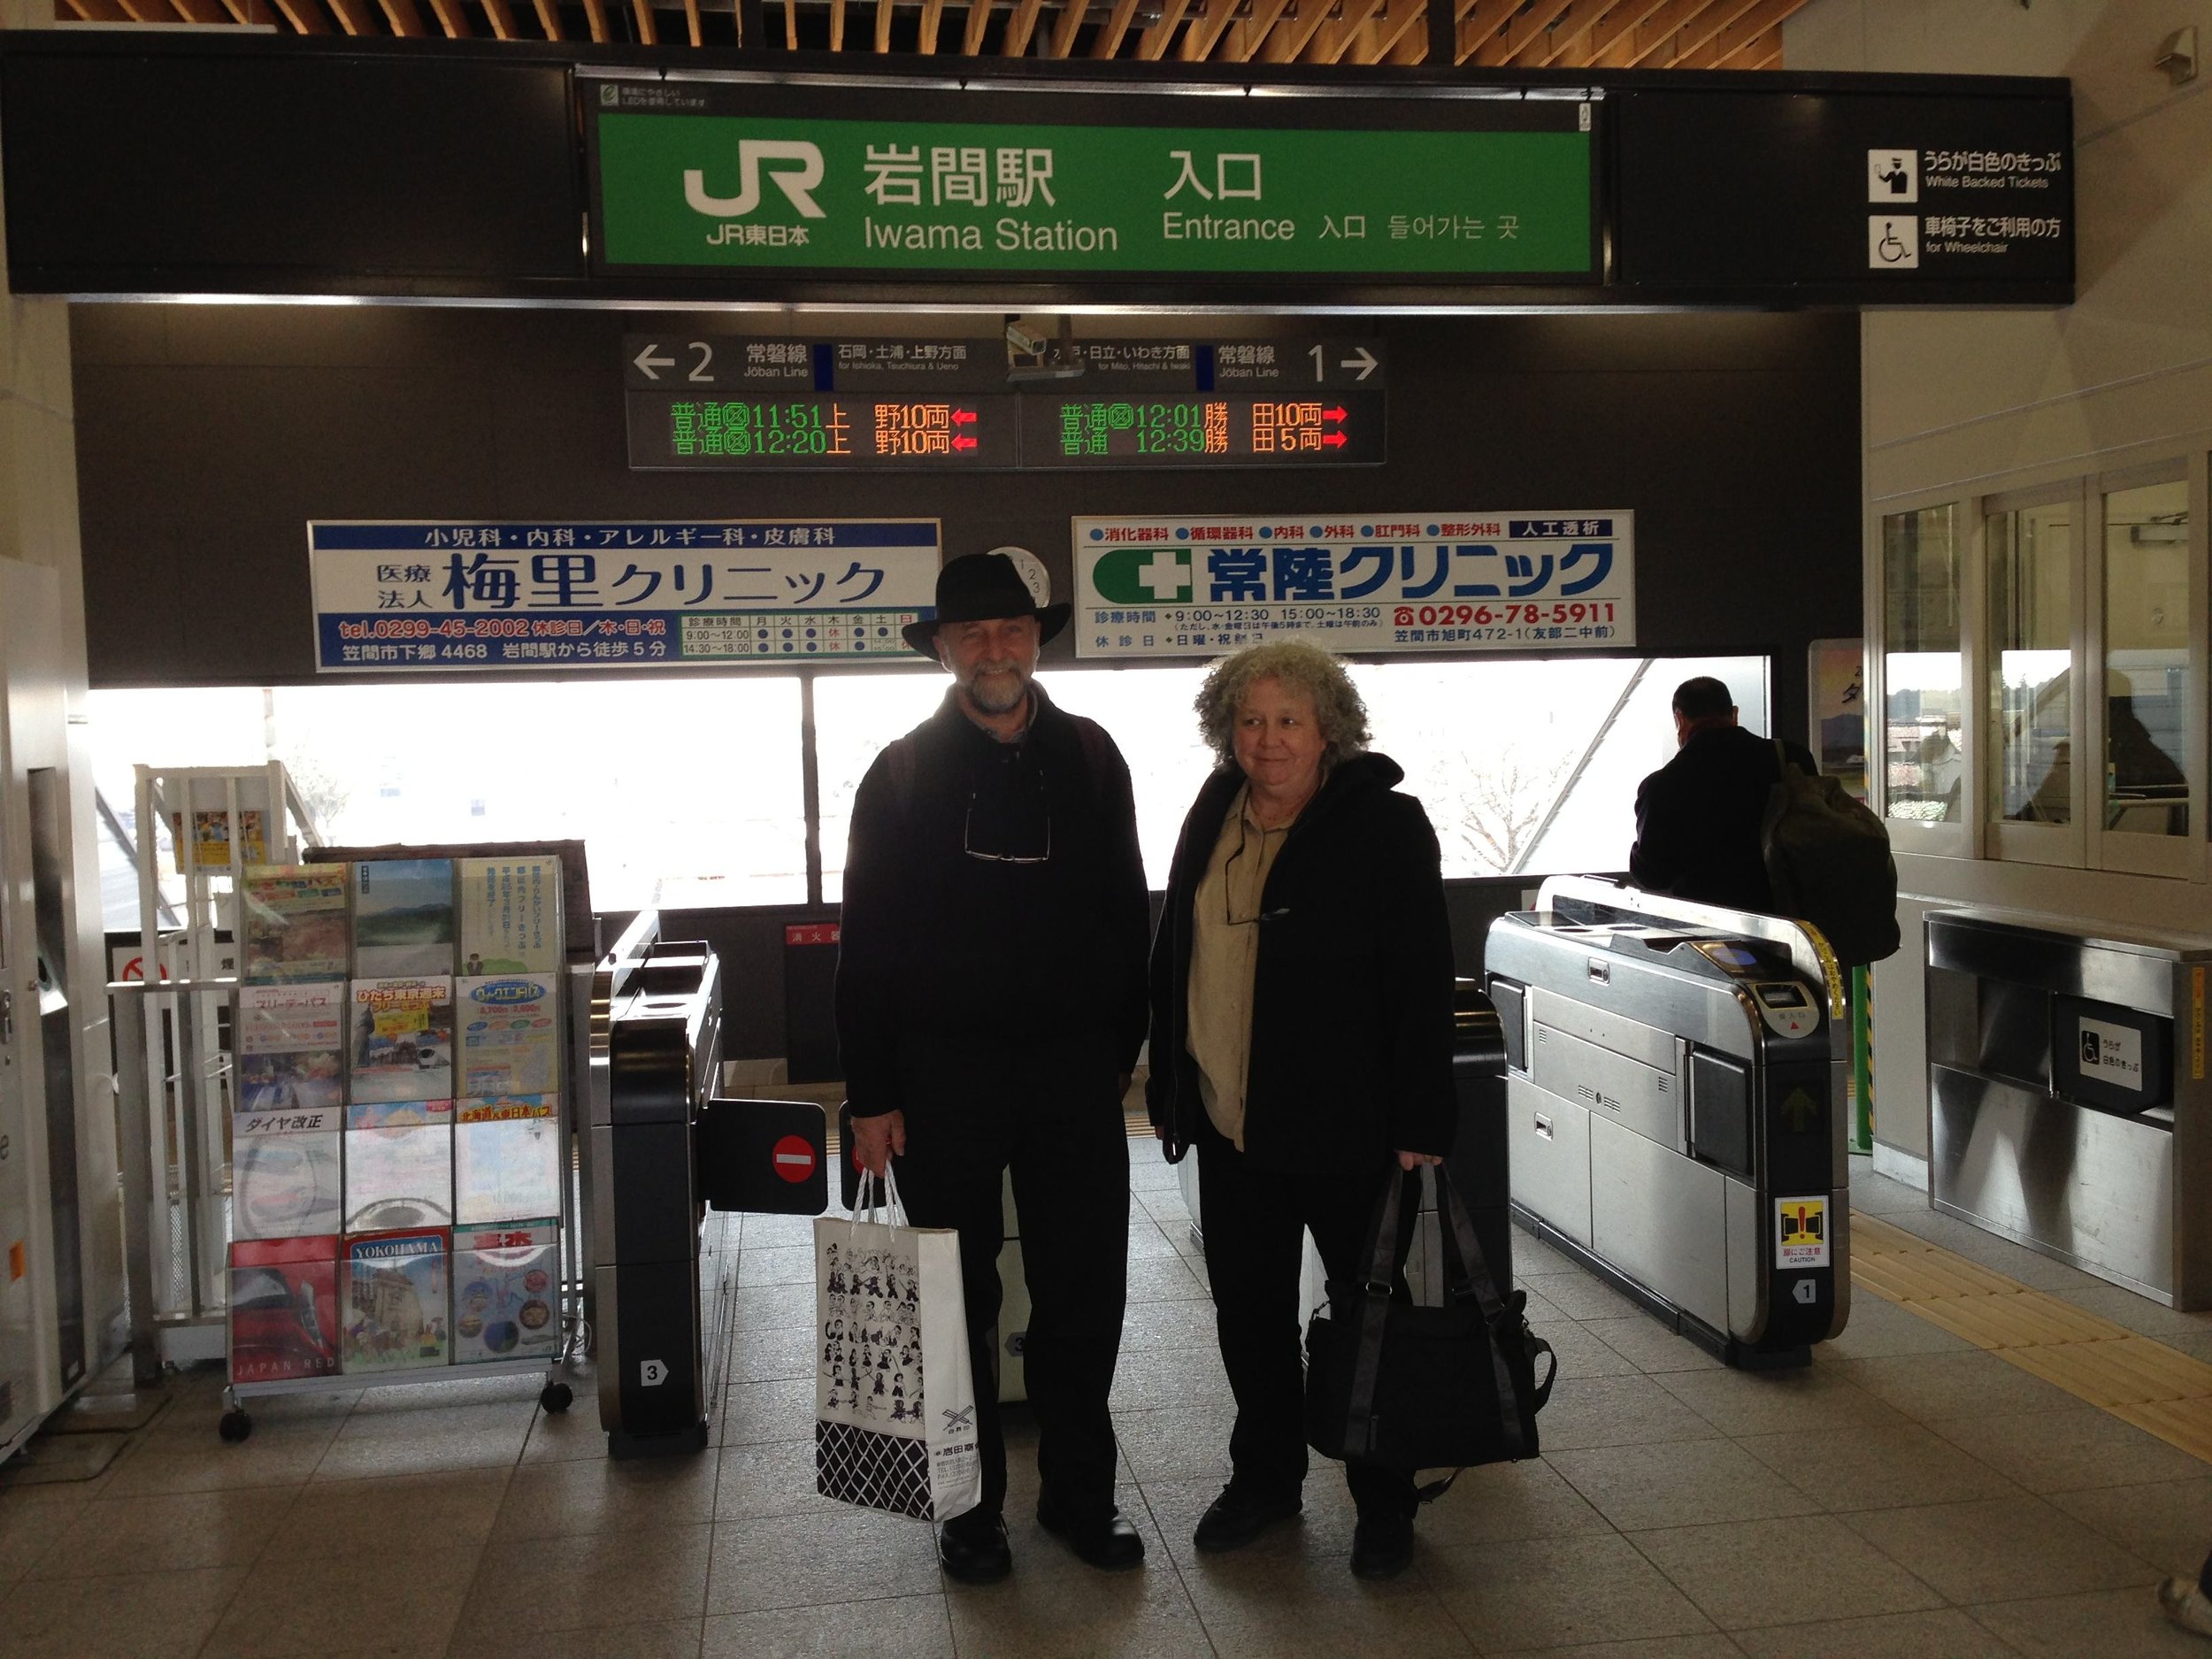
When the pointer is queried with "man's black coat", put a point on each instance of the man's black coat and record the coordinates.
(1698, 819)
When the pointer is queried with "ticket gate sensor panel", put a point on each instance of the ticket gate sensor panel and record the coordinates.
(663, 1154)
(1674, 1086)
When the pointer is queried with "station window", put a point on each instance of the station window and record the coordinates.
(2148, 691)
(2031, 609)
(1923, 669)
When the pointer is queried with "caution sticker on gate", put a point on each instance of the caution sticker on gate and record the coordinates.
(1801, 1239)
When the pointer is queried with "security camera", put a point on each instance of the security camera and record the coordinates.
(1023, 339)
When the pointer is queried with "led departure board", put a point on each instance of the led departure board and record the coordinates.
(828, 431)
(1202, 431)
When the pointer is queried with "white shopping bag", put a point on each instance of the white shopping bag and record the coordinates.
(893, 1397)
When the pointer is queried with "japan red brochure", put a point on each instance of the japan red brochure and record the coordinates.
(403, 918)
(285, 1180)
(296, 925)
(506, 1158)
(399, 1165)
(396, 1299)
(510, 915)
(291, 1046)
(506, 1292)
(285, 1318)
(402, 1039)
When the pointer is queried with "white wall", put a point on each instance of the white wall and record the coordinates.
(1973, 403)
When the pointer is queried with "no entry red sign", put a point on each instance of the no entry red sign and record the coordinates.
(792, 1158)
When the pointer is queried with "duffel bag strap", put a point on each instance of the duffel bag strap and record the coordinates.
(1383, 1266)
(1467, 1270)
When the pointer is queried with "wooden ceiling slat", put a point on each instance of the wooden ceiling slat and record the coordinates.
(1523, 31)
(694, 23)
(1620, 21)
(649, 32)
(1062, 41)
(149, 11)
(102, 12)
(1207, 29)
(1152, 43)
(1560, 49)
(1709, 25)
(979, 25)
(1479, 23)
(883, 25)
(549, 20)
(1247, 34)
(1337, 37)
(500, 16)
(406, 21)
(304, 16)
(1652, 43)
(354, 17)
(1295, 32)
(595, 20)
(837, 25)
(1021, 28)
(932, 20)
(452, 20)
(1107, 43)
(1764, 52)
(1390, 33)
(201, 11)
(1767, 14)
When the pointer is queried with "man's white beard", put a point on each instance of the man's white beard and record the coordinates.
(998, 693)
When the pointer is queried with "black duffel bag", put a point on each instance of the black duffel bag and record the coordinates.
(1409, 1387)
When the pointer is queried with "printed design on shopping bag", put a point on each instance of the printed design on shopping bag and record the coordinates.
(870, 1373)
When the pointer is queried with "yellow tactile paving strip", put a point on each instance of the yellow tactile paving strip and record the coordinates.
(2134, 1378)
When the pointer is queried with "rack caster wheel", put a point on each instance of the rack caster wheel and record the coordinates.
(234, 1426)
(556, 1396)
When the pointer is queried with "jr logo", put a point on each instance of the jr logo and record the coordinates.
(794, 164)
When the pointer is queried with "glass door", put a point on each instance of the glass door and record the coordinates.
(2035, 794)
(2150, 800)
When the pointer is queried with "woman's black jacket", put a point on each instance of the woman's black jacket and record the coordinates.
(1351, 1051)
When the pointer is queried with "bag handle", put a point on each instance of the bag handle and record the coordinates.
(1384, 1263)
(1467, 1270)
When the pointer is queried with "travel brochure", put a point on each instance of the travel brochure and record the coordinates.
(511, 915)
(285, 1320)
(285, 1173)
(511, 1034)
(403, 918)
(399, 1165)
(294, 919)
(291, 1046)
(396, 1299)
(403, 1039)
(506, 1158)
(506, 1292)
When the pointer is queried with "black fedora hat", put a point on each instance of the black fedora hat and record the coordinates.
(979, 587)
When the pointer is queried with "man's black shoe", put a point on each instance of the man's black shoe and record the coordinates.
(1234, 1519)
(1382, 1546)
(975, 1551)
(1110, 1545)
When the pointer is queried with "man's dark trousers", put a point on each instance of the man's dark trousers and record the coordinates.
(1254, 1222)
(1053, 1120)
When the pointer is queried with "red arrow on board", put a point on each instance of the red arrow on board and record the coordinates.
(1332, 414)
(1334, 439)
(963, 417)
(964, 442)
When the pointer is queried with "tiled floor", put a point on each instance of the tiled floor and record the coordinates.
(1905, 1496)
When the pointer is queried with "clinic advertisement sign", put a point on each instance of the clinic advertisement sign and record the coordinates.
(693, 175)
(1408, 582)
(446, 594)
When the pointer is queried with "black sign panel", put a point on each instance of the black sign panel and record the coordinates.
(1200, 431)
(812, 431)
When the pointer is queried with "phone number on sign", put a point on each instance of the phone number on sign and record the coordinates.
(1484, 616)
(500, 628)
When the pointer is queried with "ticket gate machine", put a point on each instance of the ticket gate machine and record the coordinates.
(1676, 1110)
(660, 1152)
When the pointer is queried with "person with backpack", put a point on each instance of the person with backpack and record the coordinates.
(1751, 824)
(1697, 817)
(991, 1001)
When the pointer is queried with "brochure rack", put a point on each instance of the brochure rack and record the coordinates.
(401, 1208)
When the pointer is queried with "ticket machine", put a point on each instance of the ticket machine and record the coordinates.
(1675, 1086)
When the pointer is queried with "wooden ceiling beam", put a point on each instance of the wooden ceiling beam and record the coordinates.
(1337, 37)
(1479, 23)
(550, 18)
(1287, 41)
(500, 16)
(1527, 29)
(1765, 16)
(883, 25)
(979, 25)
(1247, 34)
(1558, 47)
(149, 11)
(648, 30)
(355, 18)
(1651, 43)
(1207, 29)
(933, 20)
(452, 20)
(200, 11)
(1021, 28)
(1619, 22)
(1389, 33)
(1070, 23)
(1707, 25)
(595, 21)
(406, 21)
(791, 26)
(1107, 43)
(694, 24)
(1152, 43)
(1764, 52)
(103, 12)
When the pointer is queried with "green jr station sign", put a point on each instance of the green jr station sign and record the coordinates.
(711, 177)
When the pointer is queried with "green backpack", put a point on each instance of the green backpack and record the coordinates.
(1827, 858)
